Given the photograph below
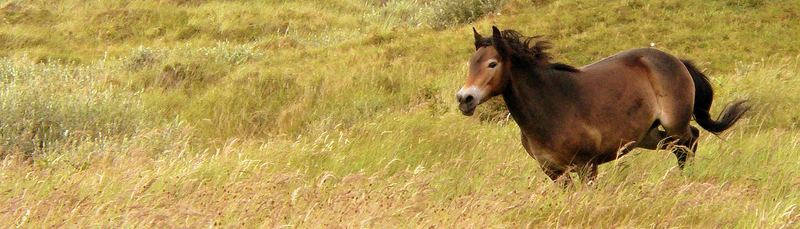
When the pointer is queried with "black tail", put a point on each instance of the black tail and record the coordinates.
(704, 95)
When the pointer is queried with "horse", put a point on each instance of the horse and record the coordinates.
(574, 119)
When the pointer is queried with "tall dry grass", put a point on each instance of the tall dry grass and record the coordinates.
(340, 113)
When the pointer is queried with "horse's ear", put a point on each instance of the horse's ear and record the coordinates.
(499, 43)
(478, 38)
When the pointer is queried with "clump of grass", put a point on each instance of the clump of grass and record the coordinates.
(14, 12)
(249, 105)
(438, 14)
(143, 57)
(758, 82)
(445, 13)
(397, 13)
(232, 54)
(186, 67)
(51, 104)
(186, 2)
(494, 111)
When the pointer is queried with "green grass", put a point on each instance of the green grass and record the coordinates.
(341, 113)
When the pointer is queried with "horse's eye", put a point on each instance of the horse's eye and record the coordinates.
(492, 64)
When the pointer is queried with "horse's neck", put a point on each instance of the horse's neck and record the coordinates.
(539, 101)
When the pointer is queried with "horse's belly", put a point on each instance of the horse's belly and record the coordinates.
(581, 146)
(565, 152)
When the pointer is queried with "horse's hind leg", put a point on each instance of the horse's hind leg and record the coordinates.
(684, 142)
(685, 148)
(654, 139)
(684, 145)
(674, 89)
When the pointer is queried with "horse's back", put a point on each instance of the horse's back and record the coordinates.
(665, 73)
(631, 58)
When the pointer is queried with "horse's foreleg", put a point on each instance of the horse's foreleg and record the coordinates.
(558, 176)
(588, 173)
(555, 174)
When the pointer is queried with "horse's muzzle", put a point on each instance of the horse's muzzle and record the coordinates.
(467, 101)
(467, 108)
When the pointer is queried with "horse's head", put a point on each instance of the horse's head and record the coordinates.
(487, 76)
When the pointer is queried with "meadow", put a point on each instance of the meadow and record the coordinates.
(341, 113)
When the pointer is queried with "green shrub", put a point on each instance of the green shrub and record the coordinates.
(143, 57)
(41, 104)
(444, 13)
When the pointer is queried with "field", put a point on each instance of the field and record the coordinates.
(341, 113)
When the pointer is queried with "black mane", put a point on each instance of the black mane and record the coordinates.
(528, 51)
(564, 67)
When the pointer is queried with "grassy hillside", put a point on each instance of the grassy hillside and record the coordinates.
(167, 113)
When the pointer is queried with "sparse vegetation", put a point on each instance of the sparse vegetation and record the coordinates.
(444, 13)
(341, 113)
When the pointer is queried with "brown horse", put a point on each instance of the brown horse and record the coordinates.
(573, 119)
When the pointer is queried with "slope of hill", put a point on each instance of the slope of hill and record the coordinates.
(324, 113)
